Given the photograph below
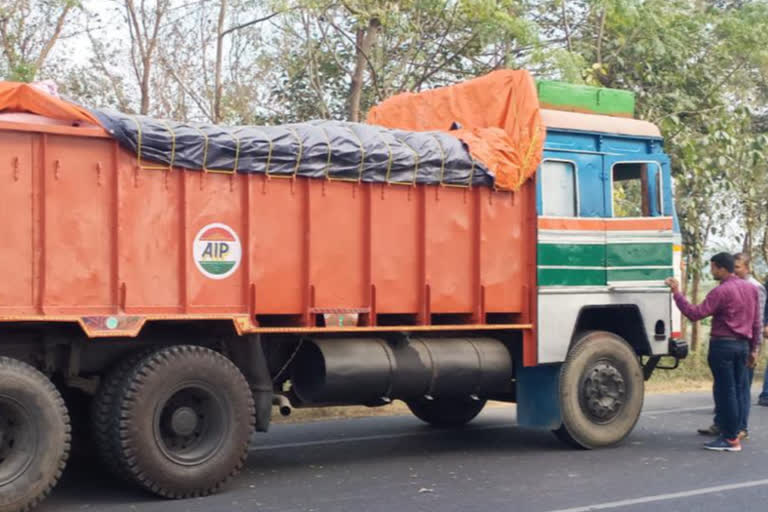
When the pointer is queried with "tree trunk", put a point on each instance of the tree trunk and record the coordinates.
(748, 246)
(599, 41)
(219, 58)
(695, 300)
(566, 27)
(52, 40)
(146, 43)
(364, 41)
(764, 245)
(144, 86)
(684, 291)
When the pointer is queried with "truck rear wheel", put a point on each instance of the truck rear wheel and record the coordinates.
(186, 416)
(446, 412)
(34, 436)
(105, 414)
(601, 391)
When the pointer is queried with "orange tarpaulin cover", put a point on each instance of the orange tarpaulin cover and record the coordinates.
(499, 118)
(20, 97)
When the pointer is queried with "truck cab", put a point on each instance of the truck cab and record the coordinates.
(608, 234)
(607, 238)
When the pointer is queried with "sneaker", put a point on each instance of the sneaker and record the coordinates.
(743, 435)
(724, 445)
(712, 430)
(763, 400)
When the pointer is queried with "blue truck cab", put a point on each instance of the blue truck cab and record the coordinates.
(608, 237)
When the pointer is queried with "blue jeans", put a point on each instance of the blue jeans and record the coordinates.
(746, 399)
(728, 362)
(745, 404)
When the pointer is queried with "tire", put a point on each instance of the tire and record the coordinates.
(446, 412)
(105, 415)
(34, 436)
(564, 437)
(186, 416)
(601, 391)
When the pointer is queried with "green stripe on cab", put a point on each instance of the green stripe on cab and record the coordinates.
(571, 277)
(638, 254)
(639, 274)
(580, 255)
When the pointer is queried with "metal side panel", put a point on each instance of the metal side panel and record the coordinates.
(559, 309)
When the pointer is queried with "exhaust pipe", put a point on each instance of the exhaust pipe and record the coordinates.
(284, 405)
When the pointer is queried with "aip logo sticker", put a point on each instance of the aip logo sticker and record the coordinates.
(217, 251)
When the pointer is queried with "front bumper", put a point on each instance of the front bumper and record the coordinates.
(677, 349)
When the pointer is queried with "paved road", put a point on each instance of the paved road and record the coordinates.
(397, 464)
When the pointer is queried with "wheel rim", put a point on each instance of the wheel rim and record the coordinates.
(19, 439)
(191, 424)
(603, 392)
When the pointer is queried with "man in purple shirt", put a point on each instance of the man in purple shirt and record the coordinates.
(733, 344)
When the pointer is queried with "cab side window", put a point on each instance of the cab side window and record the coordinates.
(630, 192)
(559, 193)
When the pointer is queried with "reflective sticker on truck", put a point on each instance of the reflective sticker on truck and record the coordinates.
(217, 251)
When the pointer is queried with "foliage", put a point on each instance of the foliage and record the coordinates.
(29, 29)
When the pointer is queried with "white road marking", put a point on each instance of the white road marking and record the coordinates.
(341, 440)
(665, 497)
(684, 409)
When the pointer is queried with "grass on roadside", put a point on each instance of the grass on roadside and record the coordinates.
(693, 373)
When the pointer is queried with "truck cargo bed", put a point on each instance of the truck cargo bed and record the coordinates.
(94, 237)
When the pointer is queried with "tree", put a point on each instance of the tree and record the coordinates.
(348, 56)
(144, 25)
(742, 155)
(29, 31)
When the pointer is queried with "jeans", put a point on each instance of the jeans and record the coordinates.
(745, 403)
(746, 398)
(728, 362)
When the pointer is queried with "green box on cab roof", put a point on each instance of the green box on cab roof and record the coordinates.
(584, 98)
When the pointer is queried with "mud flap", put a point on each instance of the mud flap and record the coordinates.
(538, 400)
(248, 355)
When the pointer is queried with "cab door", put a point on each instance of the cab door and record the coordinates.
(638, 232)
(571, 239)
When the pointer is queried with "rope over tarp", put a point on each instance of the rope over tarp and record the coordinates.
(333, 150)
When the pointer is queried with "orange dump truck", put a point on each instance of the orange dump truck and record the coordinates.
(163, 284)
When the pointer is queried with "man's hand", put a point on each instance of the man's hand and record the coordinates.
(673, 284)
(752, 359)
(765, 331)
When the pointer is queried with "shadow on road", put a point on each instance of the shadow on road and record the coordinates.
(85, 482)
(325, 462)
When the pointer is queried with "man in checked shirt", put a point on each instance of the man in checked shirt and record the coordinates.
(733, 344)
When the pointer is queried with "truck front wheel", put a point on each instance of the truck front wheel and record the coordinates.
(446, 412)
(601, 391)
(34, 436)
(186, 416)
